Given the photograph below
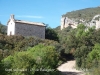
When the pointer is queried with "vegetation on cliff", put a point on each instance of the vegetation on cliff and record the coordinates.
(86, 14)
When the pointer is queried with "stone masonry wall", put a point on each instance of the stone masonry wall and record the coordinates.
(30, 30)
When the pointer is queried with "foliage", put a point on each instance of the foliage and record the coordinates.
(37, 58)
(2, 69)
(78, 42)
(51, 34)
(86, 14)
(84, 43)
(11, 44)
(95, 53)
(45, 55)
(93, 60)
(3, 29)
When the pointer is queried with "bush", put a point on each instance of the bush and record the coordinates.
(38, 58)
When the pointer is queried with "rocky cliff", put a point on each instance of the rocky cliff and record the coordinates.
(65, 22)
(89, 17)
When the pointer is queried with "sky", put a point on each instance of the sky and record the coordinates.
(46, 11)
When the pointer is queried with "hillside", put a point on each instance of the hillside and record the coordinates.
(86, 14)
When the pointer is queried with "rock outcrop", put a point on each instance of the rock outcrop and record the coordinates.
(65, 22)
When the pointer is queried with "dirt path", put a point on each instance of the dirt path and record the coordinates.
(68, 68)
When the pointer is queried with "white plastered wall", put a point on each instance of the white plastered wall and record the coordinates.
(11, 28)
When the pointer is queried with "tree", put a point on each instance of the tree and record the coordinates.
(94, 56)
(93, 60)
(51, 34)
(3, 29)
(39, 60)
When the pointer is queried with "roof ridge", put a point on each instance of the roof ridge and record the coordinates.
(30, 22)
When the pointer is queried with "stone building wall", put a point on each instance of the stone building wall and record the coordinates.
(29, 30)
(11, 27)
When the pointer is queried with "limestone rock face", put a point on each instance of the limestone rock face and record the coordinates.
(65, 22)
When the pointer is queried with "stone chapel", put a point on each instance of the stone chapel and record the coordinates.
(25, 28)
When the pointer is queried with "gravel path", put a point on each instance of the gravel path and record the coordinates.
(68, 68)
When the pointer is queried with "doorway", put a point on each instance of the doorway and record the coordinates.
(10, 32)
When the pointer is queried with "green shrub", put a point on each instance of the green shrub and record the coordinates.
(40, 58)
